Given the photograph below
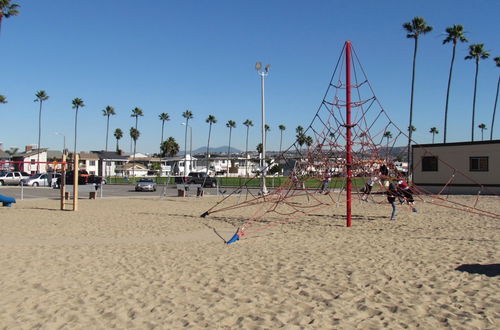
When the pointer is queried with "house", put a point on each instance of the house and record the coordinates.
(461, 167)
(110, 163)
(89, 162)
(27, 160)
(149, 162)
(133, 169)
(175, 165)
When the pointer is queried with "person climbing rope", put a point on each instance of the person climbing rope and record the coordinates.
(369, 185)
(405, 191)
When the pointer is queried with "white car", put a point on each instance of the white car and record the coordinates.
(41, 179)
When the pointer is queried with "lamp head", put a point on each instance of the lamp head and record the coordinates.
(268, 67)
(258, 66)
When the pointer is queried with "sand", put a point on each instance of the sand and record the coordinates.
(154, 263)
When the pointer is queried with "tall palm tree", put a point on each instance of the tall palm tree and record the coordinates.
(187, 115)
(210, 120)
(476, 52)
(309, 141)
(134, 135)
(41, 96)
(3, 99)
(281, 128)
(118, 135)
(433, 131)
(163, 117)
(266, 129)
(109, 111)
(454, 34)
(169, 147)
(230, 124)
(7, 10)
(136, 113)
(482, 127)
(388, 136)
(301, 137)
(415, 28)
(248, 123)
(497, 61)
(77, 104)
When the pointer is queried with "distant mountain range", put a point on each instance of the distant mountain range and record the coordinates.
(215, 150)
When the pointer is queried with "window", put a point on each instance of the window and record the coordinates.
(429, 164)
(33, 161)
(478, 164)
(108, 163)
(91, 162)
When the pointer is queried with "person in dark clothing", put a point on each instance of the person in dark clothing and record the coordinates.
(392, 194)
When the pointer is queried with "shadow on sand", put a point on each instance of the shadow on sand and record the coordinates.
(491, 270)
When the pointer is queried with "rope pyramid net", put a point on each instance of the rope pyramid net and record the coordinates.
(350, 137)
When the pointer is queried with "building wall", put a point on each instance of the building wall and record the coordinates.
(456, 156)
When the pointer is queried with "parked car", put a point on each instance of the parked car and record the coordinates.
(145, 185)
(92, 178)
(198, 178)
(41, 179)
(12, 178)
(82, 178)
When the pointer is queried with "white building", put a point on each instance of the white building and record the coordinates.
(462, 167)
(29, 159)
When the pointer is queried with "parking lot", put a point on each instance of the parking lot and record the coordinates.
(106, 191)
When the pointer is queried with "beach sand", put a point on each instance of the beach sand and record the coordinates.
(149, 263)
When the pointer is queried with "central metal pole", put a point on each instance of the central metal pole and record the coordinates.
(190, 148)
(264, 168)
(348, 126)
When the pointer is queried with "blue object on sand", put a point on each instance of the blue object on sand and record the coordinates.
(235, 238)
(7, 201)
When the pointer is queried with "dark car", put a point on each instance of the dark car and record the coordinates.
(82, 177)
(201, 178)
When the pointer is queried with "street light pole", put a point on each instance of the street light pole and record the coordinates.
(190, 148)
(64, 140)
(263, 74)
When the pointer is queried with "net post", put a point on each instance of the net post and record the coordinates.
(76, 159)
(348, 132)
(62, 181)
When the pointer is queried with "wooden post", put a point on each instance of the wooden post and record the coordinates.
(76, 158)
(62, 186)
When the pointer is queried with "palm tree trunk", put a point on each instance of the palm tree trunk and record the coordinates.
(39, 134)
(482, 134)
(448, 92)
(162, 126)
(185, 145)
(494, 109)
(410, 165)
(474, 100)
(133, 165)
(117, 146)
(208, 144)
(281, 140)
(433, 138)
(76, 126)
(246, 153)
(228, 151)
(107, 133)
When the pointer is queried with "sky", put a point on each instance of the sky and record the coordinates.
(170, 56)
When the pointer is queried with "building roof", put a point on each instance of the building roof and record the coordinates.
(454, 144)
(109, 155)
(88, 156)
(29, 153)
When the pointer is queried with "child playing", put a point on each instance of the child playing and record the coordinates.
(392, 193)
(369, 186)
(405, 192)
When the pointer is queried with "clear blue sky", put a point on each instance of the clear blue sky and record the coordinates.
(169, 56)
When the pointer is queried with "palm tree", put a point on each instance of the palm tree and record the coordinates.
(301, 137)
(308, 141)
(41, 96)
(169, 147)
(433, 131)
(7, 10)
(230, 124)
(210, 120)
(134, 135)
(163, 117)
(109, 111)
(388, 136)
(248, 123)
(455, 34)
(497, 61)
(77, 104)
(118, 135)
(281, 128)
(136, 113)
(3, 99)
(415, 28)
(187, 115)
(266, 129)
(482, 127)
(476, 52)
